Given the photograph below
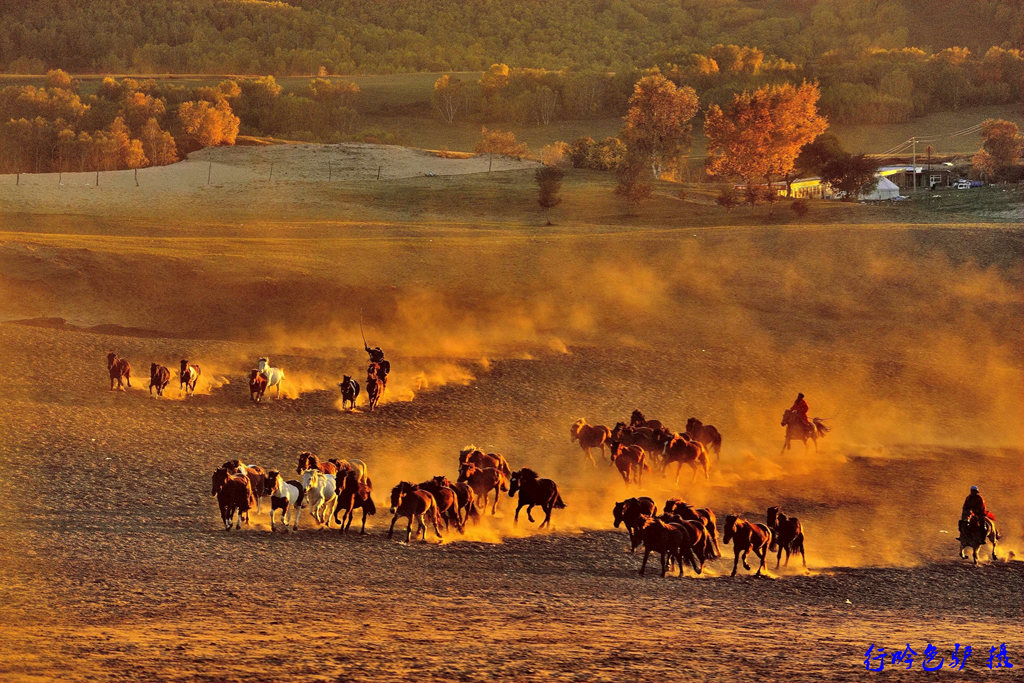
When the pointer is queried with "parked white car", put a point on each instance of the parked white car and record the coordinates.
(962, 185)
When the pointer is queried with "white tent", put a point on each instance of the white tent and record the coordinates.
(885, 189)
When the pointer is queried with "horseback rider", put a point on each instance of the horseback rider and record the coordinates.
(377, 356)
(975, 504)
(974, 510)
(800, 409)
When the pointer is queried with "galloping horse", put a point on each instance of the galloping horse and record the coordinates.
(257, 386)
(787, 534)
(534, 491)
(637, 419)
(474, 456)
(682, 449)
(796, 429)
(375, 383)
(159, 377)
(630, 461)
(274, 376)
(234, 494)
(409, 501)
(746, 537)
(308, 461)
(354, 491)
(120, 370)
(189, 375)
(284, 496)
(322, 491)
(349, 392)
(974, 533)
(589, 436)
(483, 481)
(633, 512)
(706, 434)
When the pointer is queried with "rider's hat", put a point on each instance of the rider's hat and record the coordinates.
(799, 395)
(974, 489)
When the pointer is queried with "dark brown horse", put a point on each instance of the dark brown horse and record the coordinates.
(447, 502)
(974, 532)
(409, 501)
(257, 477)
(188, 376)
(483, 480)
(120, 371)
(632, 513)
(647, 438)
(467, 500)
(703, 515)
(159, 377)
(534, 491)
(661, 537)
(257, 385)
(308, 461)
(353, 494)
(630, 461)
(787, 534)
(796, 429)
(637, 419)
(234, 494)
(589, 436)
(682, 449)
(747, 537)
(706, 434)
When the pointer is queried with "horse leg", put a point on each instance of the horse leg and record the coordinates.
(589, 456)
(547, 516)
(643, 565)
(392, 529)
(763, 554)
(497, 494)
(528, 515)
(745, 565)
(736, 561)
(515, 520)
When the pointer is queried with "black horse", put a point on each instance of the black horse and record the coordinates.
(349, 392)
(534, 491)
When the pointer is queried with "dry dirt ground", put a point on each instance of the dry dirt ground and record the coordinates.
(115, 564)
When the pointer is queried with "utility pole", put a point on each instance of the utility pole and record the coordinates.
(913, 163)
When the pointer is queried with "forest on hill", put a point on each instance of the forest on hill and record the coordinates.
(353, 36)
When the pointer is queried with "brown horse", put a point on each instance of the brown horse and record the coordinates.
(682, 449)
(787, 534)
(747, 537)
(159, 377)
(308, 461)
(257, 385)
(467, 500)
(234, 494)
(637, 419)
(374, 389)
(706, 434)
(589, 436)
(661, 537)
(630, 461)
(188, 376)
(647, 438)
(120, 371)
(483, 480)
(352, 494)
(447, 502)
(796, 429)
(257, 477)
(694, 543)
(474, 456)
(409, 501)
(633, 513)
(534, 491)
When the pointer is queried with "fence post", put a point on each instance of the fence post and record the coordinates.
(271, 171)
(136, 177)
(17, 179)
(209, 173)
(329, 171)
(378, 172)
(97, 178)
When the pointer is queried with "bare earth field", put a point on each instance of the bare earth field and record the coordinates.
(116, 567)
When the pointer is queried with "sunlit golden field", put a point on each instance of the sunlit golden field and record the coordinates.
(901, 324)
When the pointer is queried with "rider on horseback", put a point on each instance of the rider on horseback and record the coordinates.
(974, 506)
(800, 409)
(377, 356)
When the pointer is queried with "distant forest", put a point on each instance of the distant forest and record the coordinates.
(301, 37)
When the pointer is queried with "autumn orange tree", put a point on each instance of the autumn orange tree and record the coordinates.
(1000, 147)
(759, 135)
(657, 126)
(499, 142)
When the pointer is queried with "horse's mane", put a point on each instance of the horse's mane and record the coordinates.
(528, 473)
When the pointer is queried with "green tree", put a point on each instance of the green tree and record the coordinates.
(851, 175)
(448, 97)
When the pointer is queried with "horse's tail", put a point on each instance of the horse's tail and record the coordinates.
(559, 503)
(819, 424)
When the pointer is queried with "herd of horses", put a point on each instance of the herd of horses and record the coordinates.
(261, 378)
(334, 487)
(636, 446)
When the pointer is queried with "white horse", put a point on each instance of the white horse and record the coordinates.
(274, 376)
(188, 375)
(284, 496)
(321, 492)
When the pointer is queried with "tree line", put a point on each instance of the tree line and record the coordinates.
(132, 123)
